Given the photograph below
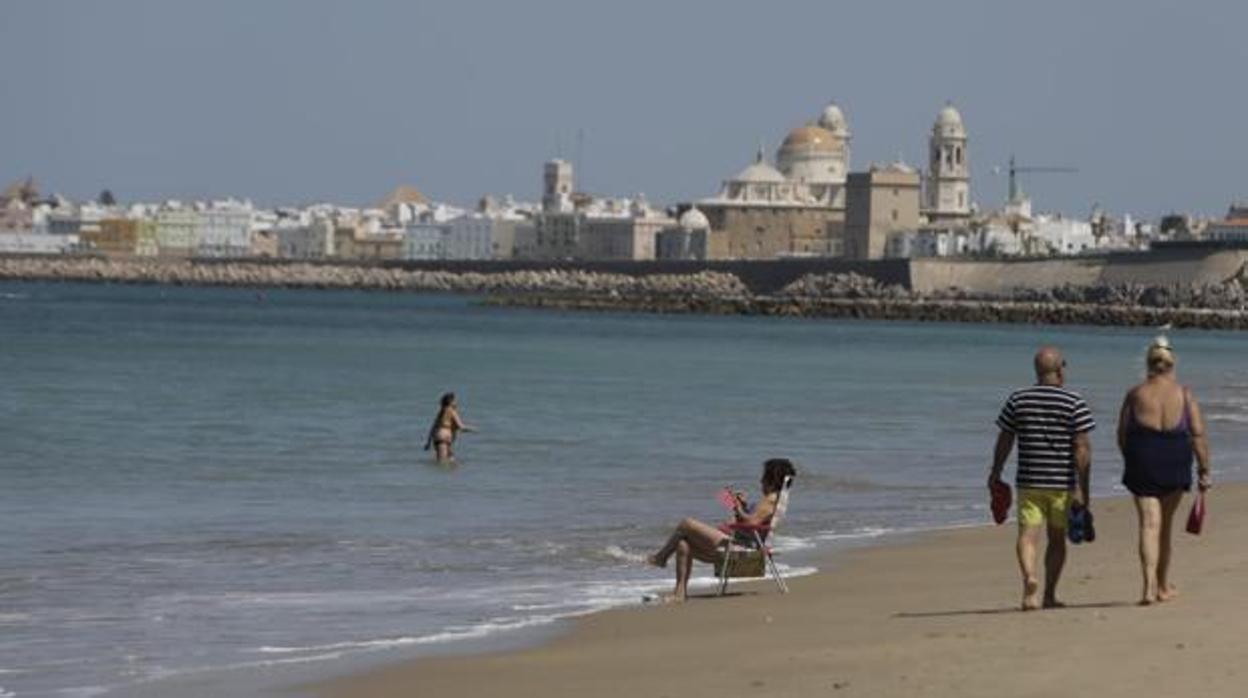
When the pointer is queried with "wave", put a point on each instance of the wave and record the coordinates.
(453, 634)
(619, 553)
(862, 532)
(1232, 418)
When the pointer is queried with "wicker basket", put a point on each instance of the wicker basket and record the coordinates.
(748, 563)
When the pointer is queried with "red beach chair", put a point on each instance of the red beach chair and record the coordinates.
(748, 544)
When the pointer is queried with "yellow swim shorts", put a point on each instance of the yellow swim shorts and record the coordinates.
(1041, 507)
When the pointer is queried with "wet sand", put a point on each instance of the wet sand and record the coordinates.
(932, 616)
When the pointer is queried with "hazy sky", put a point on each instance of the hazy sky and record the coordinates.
(298, 101)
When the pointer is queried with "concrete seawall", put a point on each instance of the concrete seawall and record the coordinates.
(1160, 268)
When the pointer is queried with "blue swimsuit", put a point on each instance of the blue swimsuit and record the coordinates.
(1158, 461)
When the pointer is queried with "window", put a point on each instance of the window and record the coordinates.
(894, 215)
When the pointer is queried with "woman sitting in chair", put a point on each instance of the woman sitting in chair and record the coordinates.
(697, 540)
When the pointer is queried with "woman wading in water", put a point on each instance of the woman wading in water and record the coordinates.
(446, 426)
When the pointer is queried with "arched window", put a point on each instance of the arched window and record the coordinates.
(958, 154)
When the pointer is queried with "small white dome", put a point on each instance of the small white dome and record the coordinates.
(833, 119)
(760, 173)
(693, 220)
(949, 122)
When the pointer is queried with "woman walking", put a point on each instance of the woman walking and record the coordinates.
(1160, 429)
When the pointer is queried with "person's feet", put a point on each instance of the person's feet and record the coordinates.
(662, 598)
(1053, 603)
(1031, 595)
(1168, 592)
(655, 561)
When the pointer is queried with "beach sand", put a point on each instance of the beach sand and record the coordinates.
(931, 616)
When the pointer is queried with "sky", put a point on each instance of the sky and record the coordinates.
(297, 101)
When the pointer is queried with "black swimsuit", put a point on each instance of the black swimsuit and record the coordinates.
(1158, 461)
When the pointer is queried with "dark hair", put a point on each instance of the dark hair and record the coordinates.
(447, 399)
(775, 470)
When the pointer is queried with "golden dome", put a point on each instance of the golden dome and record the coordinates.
(811, 138)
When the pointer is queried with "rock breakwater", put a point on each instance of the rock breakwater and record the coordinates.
(297, 275)
(1209, 306)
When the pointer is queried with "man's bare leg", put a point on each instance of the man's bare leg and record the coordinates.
(1169, 505)
(1028, 537)
(1054, 561)
(1148, 510)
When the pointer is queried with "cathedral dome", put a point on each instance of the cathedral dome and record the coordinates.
(693, 220)
(811, 139)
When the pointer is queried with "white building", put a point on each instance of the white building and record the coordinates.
(26, 242)
(223, 229)
(315, 240)
(423, 241)
(175, 229)
(928, 242)
(1062, 236)
(470, 236)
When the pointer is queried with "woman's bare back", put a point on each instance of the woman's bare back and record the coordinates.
(1158, 403)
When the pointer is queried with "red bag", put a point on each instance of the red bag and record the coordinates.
(1196, 519)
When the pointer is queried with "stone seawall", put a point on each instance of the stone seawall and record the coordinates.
(1218, 302)
(1039, 313)
(295, 275)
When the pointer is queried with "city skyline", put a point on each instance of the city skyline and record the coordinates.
(290, 103)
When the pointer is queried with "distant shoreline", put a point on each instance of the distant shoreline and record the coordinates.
(1216, 307)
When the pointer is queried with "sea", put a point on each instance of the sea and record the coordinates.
(212, 488)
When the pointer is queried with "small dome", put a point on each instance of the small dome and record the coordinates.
(812, 139)
(833, 120)
(693, 220)
(949, 122)
(760, 173)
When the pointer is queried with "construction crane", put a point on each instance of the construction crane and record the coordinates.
(1015, 169)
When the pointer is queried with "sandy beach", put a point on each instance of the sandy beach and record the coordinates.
(934, 615)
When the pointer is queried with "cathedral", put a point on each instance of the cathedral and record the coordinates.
(797, 207)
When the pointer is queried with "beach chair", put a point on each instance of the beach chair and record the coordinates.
(746, 552)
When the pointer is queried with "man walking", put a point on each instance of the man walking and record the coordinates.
(1051, 425)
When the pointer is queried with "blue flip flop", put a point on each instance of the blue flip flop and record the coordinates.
(1077, 525)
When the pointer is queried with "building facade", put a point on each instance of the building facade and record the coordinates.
(223, 229)
(880, 202)
(175, 231)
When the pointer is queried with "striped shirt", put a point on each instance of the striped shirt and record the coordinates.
(1045, 419)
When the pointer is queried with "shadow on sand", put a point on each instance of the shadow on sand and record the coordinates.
(1011, 609)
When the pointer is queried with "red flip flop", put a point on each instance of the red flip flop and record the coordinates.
(1002, 498)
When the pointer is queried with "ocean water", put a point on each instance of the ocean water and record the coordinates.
(199, 481)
